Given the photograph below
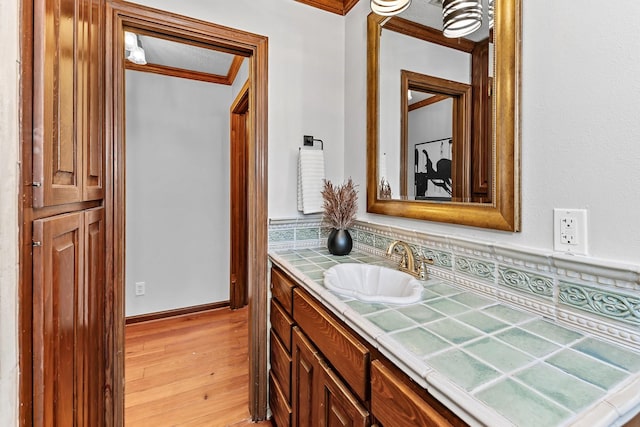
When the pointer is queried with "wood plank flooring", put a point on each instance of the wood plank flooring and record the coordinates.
(191, 370)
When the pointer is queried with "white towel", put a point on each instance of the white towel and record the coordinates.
(310, 180)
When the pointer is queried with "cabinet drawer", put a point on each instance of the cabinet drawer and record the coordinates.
(393, 403)
(281, 323)
(282, 290)
(281, 365)
(280, 407)
(345, 353)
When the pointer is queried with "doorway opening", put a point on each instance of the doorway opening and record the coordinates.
(249, 114)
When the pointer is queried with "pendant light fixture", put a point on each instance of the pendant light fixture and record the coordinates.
(491, 12)
(461, 17)
(136, 52)
(389, 7)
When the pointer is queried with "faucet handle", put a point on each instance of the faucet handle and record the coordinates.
(422, 261)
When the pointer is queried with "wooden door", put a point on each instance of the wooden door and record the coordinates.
(239, 139)
(305, 382)
(68, 326)
(482, 140)
(68, 93)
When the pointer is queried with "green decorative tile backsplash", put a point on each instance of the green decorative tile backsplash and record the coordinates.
(526, 282)
(474, 267)
(615, 305)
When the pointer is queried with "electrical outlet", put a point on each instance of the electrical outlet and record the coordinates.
(140, 288)
(570, 231)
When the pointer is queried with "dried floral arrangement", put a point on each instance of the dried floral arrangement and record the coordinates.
(340, 204)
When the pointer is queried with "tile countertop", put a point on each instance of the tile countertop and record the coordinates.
(489, 363)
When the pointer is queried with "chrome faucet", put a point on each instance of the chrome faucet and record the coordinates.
(408, 259)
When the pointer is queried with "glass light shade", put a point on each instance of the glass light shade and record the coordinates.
(389, 7)
(130, 41)
(137, 56)
(491, 12)
(461, 17)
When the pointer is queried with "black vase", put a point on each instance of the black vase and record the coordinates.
(339, 242)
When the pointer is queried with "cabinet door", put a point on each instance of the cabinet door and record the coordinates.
(93, 317)
(58, 332)
(68, 97)
(338, 406)
(305, 381)
(92, 101)
(68, 322)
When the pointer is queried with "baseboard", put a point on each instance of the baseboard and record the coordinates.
(176, 312)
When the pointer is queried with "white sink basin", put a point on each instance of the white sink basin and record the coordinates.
(373, 283)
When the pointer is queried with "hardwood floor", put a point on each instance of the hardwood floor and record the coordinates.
(191, 370)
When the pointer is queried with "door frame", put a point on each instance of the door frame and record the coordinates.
(240, 116)
(255, 47)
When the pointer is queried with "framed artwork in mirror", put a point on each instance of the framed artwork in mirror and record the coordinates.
(432, 166)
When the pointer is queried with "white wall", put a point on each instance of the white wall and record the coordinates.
(580, 127)
(9, 169)
(177, 207)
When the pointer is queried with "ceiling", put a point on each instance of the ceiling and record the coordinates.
(186, 60)
(185, 56)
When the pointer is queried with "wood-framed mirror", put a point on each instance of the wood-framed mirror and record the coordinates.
(483, 141)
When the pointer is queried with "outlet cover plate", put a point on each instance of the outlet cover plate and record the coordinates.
(570, 231)
(140, 288)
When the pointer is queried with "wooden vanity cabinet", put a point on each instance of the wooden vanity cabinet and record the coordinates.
(322, 373)
(280, 345)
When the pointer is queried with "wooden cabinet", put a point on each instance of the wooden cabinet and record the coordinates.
(311, 387)
(305, 381)
(68, 298)
(325, 377)
(66, 347)
(339, 346)
(393, 403)
(319, 397)
(68, 108)
(281, 346)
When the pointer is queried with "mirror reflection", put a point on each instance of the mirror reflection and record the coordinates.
(452, 155)
(457, 76)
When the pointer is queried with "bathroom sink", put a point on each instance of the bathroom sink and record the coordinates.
(373, 283)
